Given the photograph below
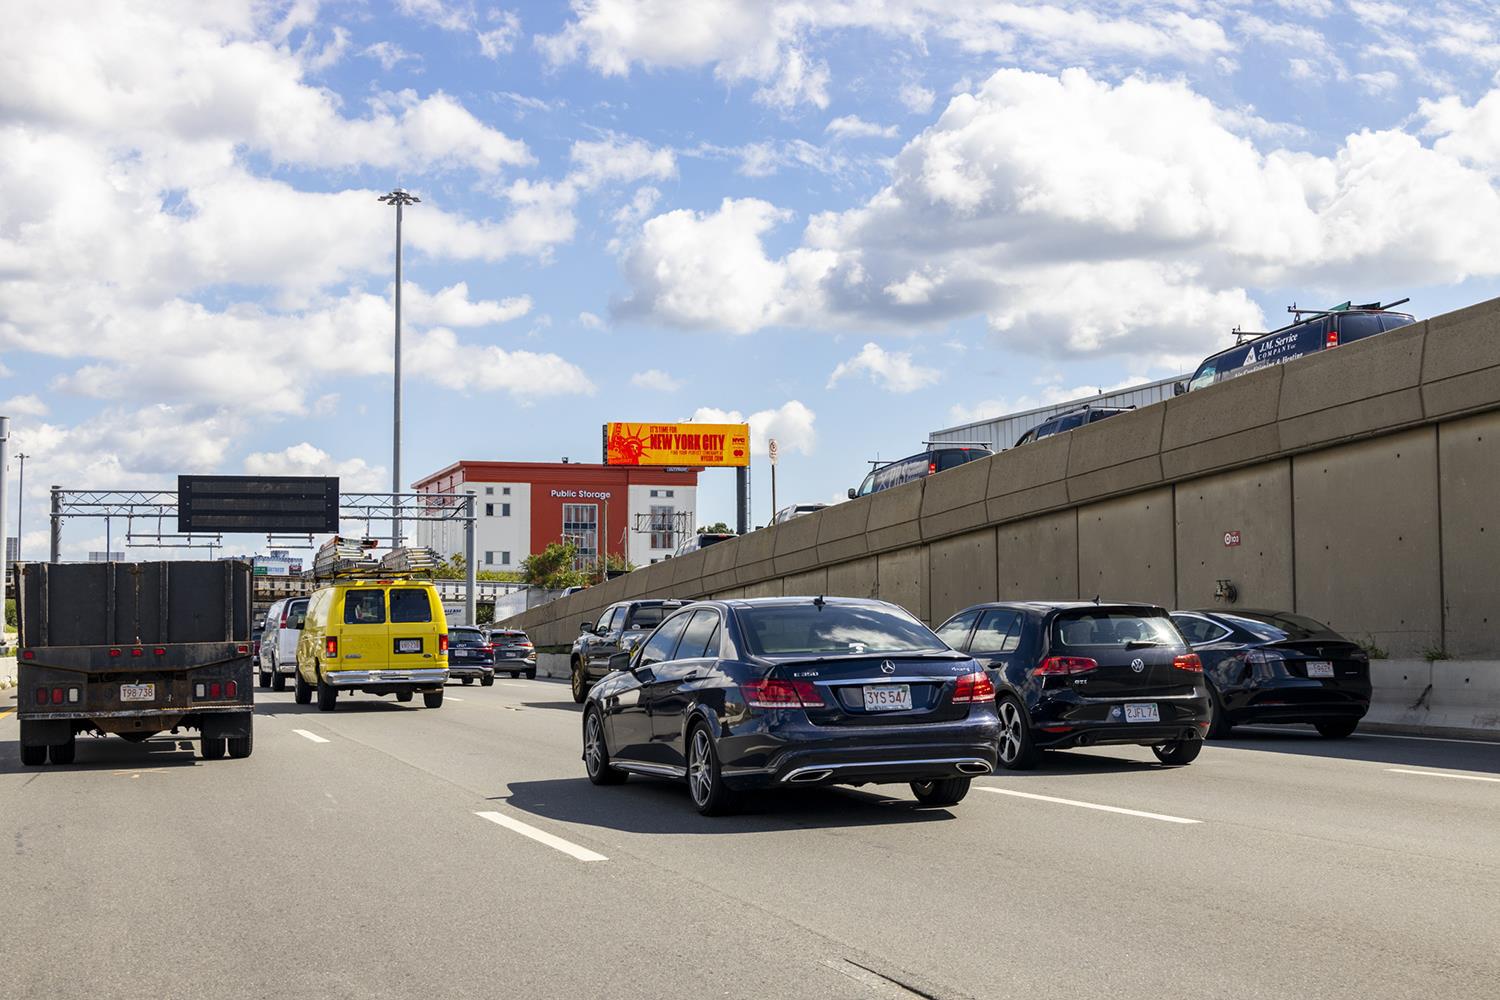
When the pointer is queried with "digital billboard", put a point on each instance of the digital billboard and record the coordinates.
(292, 504)
(707, 445)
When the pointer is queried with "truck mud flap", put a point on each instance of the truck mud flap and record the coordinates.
(45, 732)
(221, 725)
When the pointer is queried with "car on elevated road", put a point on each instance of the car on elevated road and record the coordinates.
(1278, 667)
(620, 629)
(792, 691)
(1076, 674)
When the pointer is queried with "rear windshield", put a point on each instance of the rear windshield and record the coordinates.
(646, 616)
(1075, 629)
(953, 457)
(833, 630)
(510, 636)
(1281, 627)
(410, 605)
(465, 637)
(364, 607)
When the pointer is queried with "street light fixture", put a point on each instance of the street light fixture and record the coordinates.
(400, 198)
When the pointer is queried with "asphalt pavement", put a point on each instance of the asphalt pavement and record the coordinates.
(389, 850)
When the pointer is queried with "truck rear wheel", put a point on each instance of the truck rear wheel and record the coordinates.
(212, 749)
(33, 756)
(240, 747)
(63, 753)
(301, 691)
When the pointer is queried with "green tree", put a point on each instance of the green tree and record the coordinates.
(554, 568)
(717, 528)
(455, 567)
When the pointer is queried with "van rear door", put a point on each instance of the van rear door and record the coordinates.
(415, 628)
(362, 632)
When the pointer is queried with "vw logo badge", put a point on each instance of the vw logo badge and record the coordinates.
(1137, 664)
(888, 667)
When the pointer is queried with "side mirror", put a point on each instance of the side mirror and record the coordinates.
(619, 661)
(587, 627)
(853, 493)
(1178, 388)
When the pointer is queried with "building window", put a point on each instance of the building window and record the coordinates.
(667, 493)
(505, 558)
(505, 510)
(489, 558)
(654, 492)
(581, 527)
(489, 491)
(661, 527)
(505, 490)
(489, 510)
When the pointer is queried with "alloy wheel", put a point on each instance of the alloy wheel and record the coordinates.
(1011, 732)
(592, 751)
(700, 768)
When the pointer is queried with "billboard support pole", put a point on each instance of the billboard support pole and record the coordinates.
(742, 499)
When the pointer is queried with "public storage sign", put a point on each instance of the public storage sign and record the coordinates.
(677, 444)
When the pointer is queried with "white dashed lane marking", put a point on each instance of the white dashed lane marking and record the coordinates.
(1440, 774)
(1088, 805)
(309, 736)
(567, 847)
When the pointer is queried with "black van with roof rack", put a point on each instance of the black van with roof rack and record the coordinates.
(919, 466)
(1326, 328)
(1069, 419)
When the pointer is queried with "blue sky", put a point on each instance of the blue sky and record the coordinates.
(851, 222)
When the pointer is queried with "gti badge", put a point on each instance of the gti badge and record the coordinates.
(1137, 664)
(887, 667)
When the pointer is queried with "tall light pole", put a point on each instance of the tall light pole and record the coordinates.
(20, 503)
(400, 198)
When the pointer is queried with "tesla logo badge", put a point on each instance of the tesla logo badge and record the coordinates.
(1137, 664)
(888, 667)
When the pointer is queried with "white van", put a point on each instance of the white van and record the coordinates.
(278, 643)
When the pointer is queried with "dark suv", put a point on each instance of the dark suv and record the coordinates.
(918, 466)
(1327, 328)
(619, 630)
(1076, 417)
(1075, 674)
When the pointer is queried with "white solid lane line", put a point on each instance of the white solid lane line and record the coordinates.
(542, 837)
(1440, 774)
(1088, 805)
(1289, 731)
(454, 698)
(309, 736)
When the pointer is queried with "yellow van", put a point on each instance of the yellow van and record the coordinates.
(377, 636)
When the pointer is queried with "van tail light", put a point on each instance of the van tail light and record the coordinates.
(931, 468)
(1058, 666)
(331, 646)
(285, 613)
(1333, 337)
(443, 643)
(973, 688)
(1188, 662)
(771, 693)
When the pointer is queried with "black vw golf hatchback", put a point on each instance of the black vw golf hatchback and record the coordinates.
(736, 695)
(1072, 674)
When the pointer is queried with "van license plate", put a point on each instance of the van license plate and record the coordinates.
(137, 692)
(888, 698)
(1146, 712)
(1319, 668)
(408, 645)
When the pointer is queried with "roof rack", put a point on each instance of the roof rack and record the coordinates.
(1244, 336)
(351, 559)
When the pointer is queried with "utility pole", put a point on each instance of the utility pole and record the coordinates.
(400, 198)
(20, 503)
(4, 492)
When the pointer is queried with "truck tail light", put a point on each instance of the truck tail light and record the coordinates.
(41, 696)
(216, 690)
(74, 696)
(160, 651)
(242, 648)
(331, 646)
(974, 688)
(114, 652)
(231, 689)
(28, 654)
(137, 651)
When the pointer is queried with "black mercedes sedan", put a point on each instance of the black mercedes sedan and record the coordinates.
(1278, 667)
(1074, 674)
(792, 691)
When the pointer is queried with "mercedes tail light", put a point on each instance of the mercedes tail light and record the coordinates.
(772, 693)
(1060, 666)
(973, 688)
(1188, 662)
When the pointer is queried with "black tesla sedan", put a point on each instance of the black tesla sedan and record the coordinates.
(792, 691)
(1073, 674)
(1277, 667)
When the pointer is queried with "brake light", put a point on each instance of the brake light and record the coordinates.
(443, 643)
(231, 689)
(216, 690)
(58, 696)
(29, 654)
(1333, 337)
(771, 693)
(331, 646)
(973, 688)
(242, 649)
(114, 652)
(41, 696)
(285, 613)
(1057, 666)
(931, 468)
(1188, 662)
(138, 651)
(160, 651)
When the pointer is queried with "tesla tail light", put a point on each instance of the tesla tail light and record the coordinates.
(331, 646)
(1059, 666)
(973, 688)
(770, 693)
(1188, 662)
(1263, 657)
(443, 643)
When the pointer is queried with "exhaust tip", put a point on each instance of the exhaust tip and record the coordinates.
(1085, 740)
(974, 767)
(807, 776)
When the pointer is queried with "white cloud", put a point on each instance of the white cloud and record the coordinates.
(496, 32)
(916, 98)
(656, 380)
(620, 159)
(438, 356)
(855, 127)
(590, 321)
(29, 405)
(305, 459)
(452, 306)
(389, 54)
(791, 424)
(893, 371)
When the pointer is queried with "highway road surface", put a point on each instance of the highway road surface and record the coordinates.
(388, 850)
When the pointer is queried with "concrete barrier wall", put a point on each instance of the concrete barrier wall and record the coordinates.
(1361, 482)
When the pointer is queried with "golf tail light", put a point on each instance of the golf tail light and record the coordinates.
(1058, 666)
(973, 688)
(331, 646)
(443, 643)
(1188, 662)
